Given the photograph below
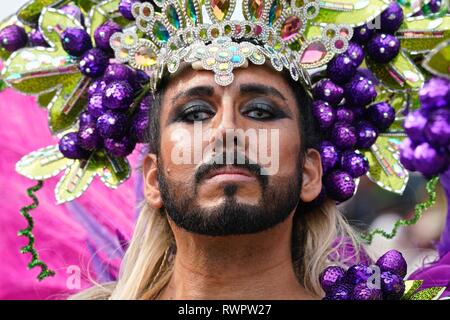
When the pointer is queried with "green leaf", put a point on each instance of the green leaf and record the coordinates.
(385, 167)
(51, 21)
(420, 35)
(4, 55)
(77, 178)
(45, 98)
(68, 102)
(50, 73)
(351, 12)
(114, 171)
(413, 100)
(37, 70)
(398, 75)
(75, 181)
(86, 5)
(411, 287)
(438, 61)
(100, 14)
(43, 163)
(29, 13)
(432, 293)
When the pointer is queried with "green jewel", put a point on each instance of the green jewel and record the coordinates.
(160, 31)
(190, 11)
(203, 34)
(172, 16)
(275, 12)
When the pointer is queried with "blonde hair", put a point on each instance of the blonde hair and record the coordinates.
(317, 240)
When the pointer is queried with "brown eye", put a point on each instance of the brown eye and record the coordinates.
(196, 111)
(197, 116)
(260, 111)
(259, 114)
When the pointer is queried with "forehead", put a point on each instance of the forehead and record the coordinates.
(255, 74)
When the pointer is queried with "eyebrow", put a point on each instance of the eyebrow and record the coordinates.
(195, 92)
(257, 88)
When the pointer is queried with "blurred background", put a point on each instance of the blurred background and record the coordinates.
(373, 207)
(9, 7)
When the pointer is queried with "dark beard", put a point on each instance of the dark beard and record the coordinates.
(279, 199)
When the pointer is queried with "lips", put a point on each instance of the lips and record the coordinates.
(230, 173)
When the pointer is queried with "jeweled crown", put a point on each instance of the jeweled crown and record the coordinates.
(214, 34)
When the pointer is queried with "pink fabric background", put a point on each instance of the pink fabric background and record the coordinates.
(62, 231)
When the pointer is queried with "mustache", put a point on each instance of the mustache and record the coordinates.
(204, 169)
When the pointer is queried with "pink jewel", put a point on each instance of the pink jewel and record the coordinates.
(290, 27)
(313, 53)
(258, 30)
(339, 44)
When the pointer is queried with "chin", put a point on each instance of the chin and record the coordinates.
(237, 192)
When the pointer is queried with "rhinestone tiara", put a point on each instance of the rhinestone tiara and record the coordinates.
(215, 35)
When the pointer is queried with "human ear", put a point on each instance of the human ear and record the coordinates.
(312, 176)
(151, 187)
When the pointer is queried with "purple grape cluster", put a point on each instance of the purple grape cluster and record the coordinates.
(355, 283)
(14, 37)
(341, 114)
(344, 107)
(380, 44)
(427, 147)
(112, 121)
(93, 61)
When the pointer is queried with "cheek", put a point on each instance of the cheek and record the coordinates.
(183, 148)
(176, 153)
(283, 150)
(289, 151)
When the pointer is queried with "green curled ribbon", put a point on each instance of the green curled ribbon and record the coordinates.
(418, 211)
(27, 232)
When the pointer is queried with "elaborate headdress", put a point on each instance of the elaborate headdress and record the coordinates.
(96, 65)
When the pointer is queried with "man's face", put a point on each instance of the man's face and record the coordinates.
(197, 120)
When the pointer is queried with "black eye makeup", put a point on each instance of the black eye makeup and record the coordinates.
(262, 110)
(196, 110)
(257, 109)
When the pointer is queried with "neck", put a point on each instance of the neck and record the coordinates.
(256, 266)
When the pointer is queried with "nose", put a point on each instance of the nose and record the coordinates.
(224, 127)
